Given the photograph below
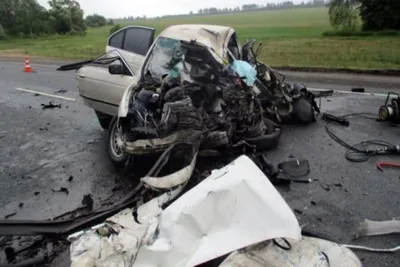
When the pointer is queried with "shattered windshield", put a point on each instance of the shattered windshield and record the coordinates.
(166, 54)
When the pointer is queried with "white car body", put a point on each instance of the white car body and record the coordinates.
(108, 93)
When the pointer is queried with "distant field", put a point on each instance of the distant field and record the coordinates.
(291, 37)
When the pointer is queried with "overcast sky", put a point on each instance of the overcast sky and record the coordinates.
(152, 8)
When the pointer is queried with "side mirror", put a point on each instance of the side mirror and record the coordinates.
(116, 68)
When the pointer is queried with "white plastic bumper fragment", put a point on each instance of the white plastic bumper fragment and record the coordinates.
(173, 180)
(235, 207)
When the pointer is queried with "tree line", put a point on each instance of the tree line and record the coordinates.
(27, 18)
(267, 6)
(376, 15)
(243, 8)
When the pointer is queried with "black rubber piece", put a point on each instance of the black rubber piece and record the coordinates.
(358, 90)
(104, 119)
(269, 140)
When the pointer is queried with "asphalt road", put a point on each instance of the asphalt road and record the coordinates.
(40, 149)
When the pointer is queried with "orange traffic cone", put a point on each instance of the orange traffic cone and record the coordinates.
(28, 67)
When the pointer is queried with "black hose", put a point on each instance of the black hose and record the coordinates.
(363, 151)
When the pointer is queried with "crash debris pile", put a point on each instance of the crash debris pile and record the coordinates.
(218, 216)
(189, 94)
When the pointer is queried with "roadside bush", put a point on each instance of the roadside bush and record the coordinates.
(115, 28)
(3, 35)
(360, 33)
(96, 21)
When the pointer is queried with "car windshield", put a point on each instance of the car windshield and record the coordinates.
(166, 54)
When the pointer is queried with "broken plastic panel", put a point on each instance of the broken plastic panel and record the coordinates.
(233, 208)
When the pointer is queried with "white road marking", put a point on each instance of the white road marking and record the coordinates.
(348, 92)
(45, 94)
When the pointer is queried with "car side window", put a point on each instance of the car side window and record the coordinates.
(138, 40)
(116, 40)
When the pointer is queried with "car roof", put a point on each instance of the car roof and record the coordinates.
(213, 36)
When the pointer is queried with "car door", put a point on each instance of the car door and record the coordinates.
(132, 42)
(102, 90)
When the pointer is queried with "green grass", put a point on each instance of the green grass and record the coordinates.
(291, 37)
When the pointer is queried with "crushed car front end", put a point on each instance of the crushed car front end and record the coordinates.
(188, 95)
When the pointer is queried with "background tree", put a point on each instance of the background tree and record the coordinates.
(343, 15)
(67, 16)
(380, 14)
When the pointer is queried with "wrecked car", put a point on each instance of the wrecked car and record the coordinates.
(193, 84)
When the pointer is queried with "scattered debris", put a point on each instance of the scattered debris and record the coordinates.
(298, 211)
(310, 252)
(358, 90)
(295, 170)
(167, 238)
(382, 250)
(10, 215)
(325, 187)
(371, 228)
(62, 91)
(50, 105)
(391, 111)
(61, 190)
(313, 203)
(88, 202)
(36, 95)
(21, 205)
(331, 118)
(43, 129)
(37, 193)
(380, 165)
(70, 178)
(338, 184)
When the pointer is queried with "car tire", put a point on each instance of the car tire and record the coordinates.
(115, 152)
(104, 119)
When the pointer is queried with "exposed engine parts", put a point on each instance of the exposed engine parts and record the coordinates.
(193, 95)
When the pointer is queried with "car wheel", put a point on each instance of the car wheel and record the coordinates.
(104, 119)
(115, 150)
